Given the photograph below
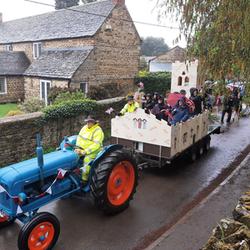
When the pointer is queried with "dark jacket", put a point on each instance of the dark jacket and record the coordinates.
(197, 100)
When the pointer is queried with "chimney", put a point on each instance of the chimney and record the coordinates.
(118, 2)
(1, 17)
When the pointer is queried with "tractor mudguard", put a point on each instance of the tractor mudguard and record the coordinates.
(104, 152)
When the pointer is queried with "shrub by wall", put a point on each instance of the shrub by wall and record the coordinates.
(155, 82)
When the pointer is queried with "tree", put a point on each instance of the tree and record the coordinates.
(218, 34)
(62, 4)
(153, 46)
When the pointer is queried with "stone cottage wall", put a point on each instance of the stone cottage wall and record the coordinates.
(32, 86)
(117, 50)
(27, 47)
(18, 133)
(15, 90)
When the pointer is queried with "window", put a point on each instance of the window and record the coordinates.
(37, 49)
(84, 87)
(186, 79)
(8, 47)
(44, 90)
(179, 81)
(3, 86)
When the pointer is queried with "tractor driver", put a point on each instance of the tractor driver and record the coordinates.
(89, 141)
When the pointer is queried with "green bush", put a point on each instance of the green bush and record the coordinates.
(155, 82)
(31, 105)
(105, 91)
(69, 96)
(69, 109)
(55, 91)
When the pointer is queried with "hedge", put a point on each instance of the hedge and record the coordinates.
(69, 109)
(155, 82)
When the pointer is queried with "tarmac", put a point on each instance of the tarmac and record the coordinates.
(195, 228)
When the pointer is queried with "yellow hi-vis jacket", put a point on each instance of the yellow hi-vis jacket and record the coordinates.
(90, 140)
(130, 108)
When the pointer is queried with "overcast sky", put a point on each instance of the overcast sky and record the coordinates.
(140, 10)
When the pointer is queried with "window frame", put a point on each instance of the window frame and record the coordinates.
(86, 87)
(5, 86)
(8, 47)
(45, 91)
(36, 51)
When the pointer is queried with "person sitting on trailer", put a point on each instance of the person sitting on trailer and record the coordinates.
(159, 109)
(149, 104)
(130, 107)
(180, 112)
(89, 144)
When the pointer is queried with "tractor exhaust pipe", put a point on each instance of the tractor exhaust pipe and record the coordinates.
(39, 153)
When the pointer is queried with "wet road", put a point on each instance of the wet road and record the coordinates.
(160, 198)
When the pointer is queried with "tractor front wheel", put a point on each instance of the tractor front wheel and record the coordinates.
(114, 182)
(41, 233)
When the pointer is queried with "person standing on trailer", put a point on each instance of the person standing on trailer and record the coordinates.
(130, 107)
(197, 100)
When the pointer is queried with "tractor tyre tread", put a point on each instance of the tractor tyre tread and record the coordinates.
(100, 178)
(28, 227)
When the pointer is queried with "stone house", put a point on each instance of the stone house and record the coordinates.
(164, 62)
(82, 46)
(13, 65)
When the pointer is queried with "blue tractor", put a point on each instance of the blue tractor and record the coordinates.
(27, 186)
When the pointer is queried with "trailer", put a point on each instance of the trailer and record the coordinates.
(154, 141)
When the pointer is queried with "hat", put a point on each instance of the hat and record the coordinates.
(90, 118)
(130, 97)
(183, 92)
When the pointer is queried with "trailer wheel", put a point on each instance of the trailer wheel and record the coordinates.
(193, 154)
(207, 143)
(113, 182)
(41, 233)
(4, 222)
(201, 148)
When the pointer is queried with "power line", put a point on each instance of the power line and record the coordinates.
(95, 14)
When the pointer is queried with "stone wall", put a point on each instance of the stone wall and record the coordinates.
(15, 90)
(27, 47)
(18, 133)
(117, 50)
(233, 233)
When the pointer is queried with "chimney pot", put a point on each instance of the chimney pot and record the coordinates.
(118, 2)
(1, 17)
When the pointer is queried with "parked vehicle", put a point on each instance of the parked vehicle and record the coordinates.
(154, 141)
(27, 186)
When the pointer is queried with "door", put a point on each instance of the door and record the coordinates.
(44, 91)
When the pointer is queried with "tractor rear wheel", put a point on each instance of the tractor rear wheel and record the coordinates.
(114, 181)
(41, 233)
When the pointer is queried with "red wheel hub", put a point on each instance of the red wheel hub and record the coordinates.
(121, 183)
(41, 236)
